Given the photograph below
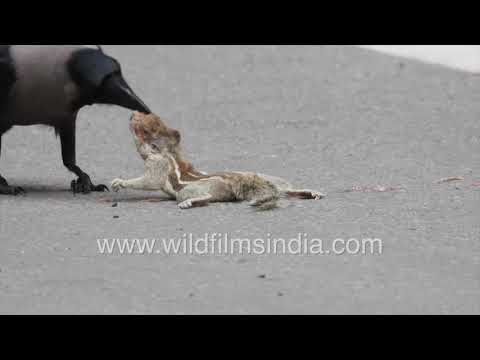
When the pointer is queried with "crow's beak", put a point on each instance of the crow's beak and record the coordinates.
(116, 91)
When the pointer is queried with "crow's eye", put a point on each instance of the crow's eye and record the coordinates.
(155, 147)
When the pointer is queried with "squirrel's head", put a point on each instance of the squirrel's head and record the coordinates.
(152, 136)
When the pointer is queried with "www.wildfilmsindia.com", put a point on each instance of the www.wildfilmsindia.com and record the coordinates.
(223, 244)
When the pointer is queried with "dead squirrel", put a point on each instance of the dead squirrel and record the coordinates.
(169, 172)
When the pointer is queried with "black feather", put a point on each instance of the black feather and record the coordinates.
(7, 74)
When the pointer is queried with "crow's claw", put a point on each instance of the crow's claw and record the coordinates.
(101, 188)
(83, 185)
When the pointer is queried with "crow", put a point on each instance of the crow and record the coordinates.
(49, 85)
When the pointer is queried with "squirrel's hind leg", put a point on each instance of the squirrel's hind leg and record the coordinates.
(195, 202)
(305, 194)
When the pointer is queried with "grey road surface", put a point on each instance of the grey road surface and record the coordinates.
(332, 118)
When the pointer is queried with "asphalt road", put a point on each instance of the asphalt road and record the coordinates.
(326, 117)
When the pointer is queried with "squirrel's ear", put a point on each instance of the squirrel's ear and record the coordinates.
(176, 134)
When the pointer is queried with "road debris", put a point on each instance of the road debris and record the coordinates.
(449, 179)
(377, 188)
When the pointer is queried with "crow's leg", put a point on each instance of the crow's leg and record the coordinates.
(83, 184)
(6, 189)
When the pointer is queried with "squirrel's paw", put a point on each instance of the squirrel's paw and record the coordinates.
(318, 195)
(118, 184)
(187, 204)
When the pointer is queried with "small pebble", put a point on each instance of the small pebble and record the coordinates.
(263, 276)
(116, 217)
(115, 205)
(280, 294)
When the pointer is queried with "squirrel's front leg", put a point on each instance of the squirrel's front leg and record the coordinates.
(139, 184)
(136, 184)
(142, 183)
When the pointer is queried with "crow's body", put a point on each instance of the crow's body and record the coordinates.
(49, 84)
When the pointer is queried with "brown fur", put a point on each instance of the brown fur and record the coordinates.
(169, 171)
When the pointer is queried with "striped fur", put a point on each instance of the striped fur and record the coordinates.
(167, 171)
